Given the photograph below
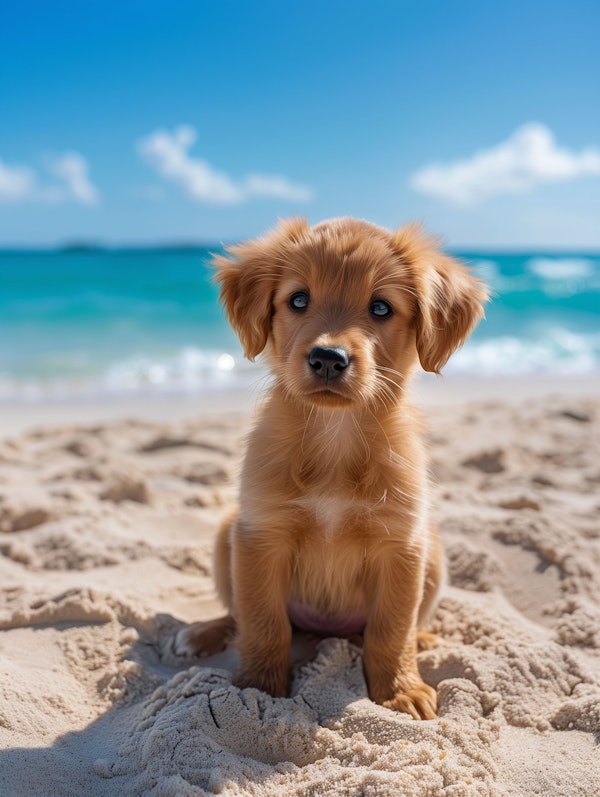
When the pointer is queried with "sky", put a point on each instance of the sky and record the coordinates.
(179, 122)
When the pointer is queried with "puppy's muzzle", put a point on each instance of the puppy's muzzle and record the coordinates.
(328, 362)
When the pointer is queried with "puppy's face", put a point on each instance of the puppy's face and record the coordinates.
(341, 329)
(344, 309)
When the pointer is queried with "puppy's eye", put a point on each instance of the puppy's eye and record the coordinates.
(380, 309)
(299, 301)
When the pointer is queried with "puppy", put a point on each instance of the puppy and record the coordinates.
(332, 533)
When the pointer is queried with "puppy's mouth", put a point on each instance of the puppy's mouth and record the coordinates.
(328, 398)
(327, 392)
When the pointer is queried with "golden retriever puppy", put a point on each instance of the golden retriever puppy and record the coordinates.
(332, 533)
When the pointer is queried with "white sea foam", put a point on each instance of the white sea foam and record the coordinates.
(556, 276)
(558, 351)
(487, 270)
(189, 369)
(564, 268)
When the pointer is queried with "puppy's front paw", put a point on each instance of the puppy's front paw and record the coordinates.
(420, 701)
(427, 641)
(203, 639)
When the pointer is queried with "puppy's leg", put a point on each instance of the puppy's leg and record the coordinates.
(213, 636)
(394, 590)
(434, 578)
(261, 572)
(222, 558)
(434, 581)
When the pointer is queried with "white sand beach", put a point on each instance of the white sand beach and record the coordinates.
(107, 516)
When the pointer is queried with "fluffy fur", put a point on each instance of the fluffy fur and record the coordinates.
(332, 529)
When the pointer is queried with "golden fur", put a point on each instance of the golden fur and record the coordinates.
(333, 506)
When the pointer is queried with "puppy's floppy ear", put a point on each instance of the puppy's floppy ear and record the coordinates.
(248, 275)
(449, 299)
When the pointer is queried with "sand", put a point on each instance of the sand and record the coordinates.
(106, 530)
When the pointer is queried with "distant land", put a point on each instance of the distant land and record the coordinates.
(191, 245)
(103, 246)
(92, 246)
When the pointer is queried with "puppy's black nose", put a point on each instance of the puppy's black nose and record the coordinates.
(328, 363)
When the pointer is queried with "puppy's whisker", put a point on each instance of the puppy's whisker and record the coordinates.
(380, 370)
(389, 386)
(390, 370)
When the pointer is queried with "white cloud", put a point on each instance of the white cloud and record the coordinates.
(168, 154)
(72, 168)
(16, 182)
(22, 184)
(263, 185)
(530, 157)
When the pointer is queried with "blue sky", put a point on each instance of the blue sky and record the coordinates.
(145, 122)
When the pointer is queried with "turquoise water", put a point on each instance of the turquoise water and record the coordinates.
(96, 321)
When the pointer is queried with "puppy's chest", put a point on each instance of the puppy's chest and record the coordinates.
(335, 517)
(327, 514)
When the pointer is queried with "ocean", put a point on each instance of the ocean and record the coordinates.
(91, 322)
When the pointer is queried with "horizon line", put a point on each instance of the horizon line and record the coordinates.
(92, 245)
